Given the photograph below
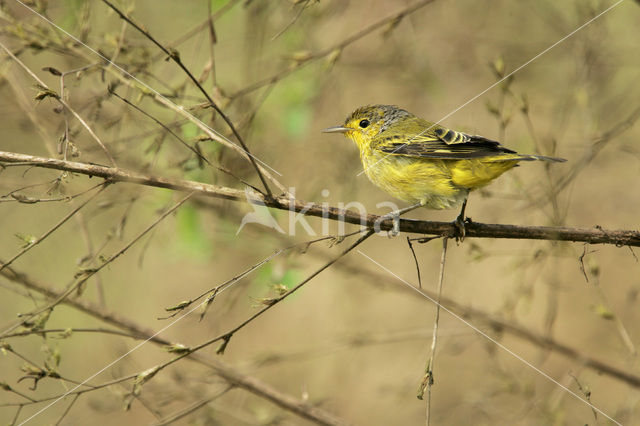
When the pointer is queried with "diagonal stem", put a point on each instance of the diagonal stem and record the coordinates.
(173, 55)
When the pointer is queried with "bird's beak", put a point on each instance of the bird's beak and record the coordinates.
(337, 129)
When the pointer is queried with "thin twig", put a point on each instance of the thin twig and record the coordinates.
(587, 394)
(91, 254)
(590, 154)
(62, 221)
(158, 122)
(81, 279)
(190, 409)
(182, 141)
(233, 377)
(427, 380)
(58, 98)
(128, 79)
(415, 259)
(213, 39)
(67, 332)
(20, 198)
(174, 56)
(215, 291)
(212, 293)
(226, 337)
(338, 47)
(201, 26)
(493, 340)
(293, 21)
(66, 410)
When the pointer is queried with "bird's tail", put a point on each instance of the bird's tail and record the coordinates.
(526, 157)
(545, 158)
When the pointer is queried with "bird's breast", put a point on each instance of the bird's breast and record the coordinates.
(413, 180)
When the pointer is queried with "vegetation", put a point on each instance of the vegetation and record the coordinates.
(138, 136)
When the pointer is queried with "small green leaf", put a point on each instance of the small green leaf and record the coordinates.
(179, 306)
(24, 199)
(498, 67)
(207, 302)
(177, 348)
(65, 334)
(280, 289)
(40, 321)
(143, 378)
(45, 92)
(332, 58)
(265, 301)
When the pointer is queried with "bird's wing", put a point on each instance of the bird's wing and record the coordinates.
(439, 142)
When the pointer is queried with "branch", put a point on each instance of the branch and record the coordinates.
(232, 376)
(51, 230)
(46, 92)
(80, 49)
(495, 323)
(226, 337)
(390, 21)
(492, 321)
(175, 57)
(445, 229)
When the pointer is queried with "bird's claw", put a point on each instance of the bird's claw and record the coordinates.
(460, 231)
(393, 232)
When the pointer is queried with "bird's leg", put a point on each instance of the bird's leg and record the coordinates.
(459, 222)
(395, 216)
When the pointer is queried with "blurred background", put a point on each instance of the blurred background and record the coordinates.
(354, 340)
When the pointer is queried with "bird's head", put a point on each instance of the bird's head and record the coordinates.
(366, 123)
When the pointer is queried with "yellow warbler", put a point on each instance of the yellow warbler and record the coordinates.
(423, 163)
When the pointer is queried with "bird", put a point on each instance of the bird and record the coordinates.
(423, 163)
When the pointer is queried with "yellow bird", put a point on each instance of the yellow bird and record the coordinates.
(423, 163)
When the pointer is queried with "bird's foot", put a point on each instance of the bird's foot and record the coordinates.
(393, 232)
(460, 230)
(395, 219)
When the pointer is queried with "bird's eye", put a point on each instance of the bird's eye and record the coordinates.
(364, 123)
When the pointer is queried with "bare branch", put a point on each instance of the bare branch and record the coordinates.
(427, 380)
(85, 275)
(175, 57)
(68, 216)
(232, 376)
(58, 98)
(496, 323)
(597, 235)
(395, 18)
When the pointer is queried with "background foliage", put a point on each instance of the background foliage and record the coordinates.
(354, 341)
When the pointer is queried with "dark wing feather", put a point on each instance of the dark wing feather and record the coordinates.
(442, 143)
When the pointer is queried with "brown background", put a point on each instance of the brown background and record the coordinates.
(351, 342)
